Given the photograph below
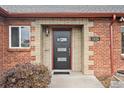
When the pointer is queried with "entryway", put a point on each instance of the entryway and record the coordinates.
(63, 48)
(75, 80)
(80, 44)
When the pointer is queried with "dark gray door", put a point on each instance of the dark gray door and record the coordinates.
(61, 45)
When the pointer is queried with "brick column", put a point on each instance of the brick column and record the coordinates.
(86, 44)
(36, 36)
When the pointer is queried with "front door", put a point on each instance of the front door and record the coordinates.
(61, 46)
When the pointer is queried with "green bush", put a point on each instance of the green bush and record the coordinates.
(26, 76)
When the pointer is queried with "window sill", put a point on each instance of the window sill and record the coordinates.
(122, 56)
(19, 49)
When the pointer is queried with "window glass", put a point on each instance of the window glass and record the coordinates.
(25, 36)
(19, 36)
(14, 37)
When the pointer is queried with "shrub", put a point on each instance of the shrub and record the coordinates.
(26, 76)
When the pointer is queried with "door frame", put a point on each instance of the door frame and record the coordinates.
(65, 29)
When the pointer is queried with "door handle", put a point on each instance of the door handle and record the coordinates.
(69, 51)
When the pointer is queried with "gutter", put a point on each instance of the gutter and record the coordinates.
(111, 43)
(62, 15)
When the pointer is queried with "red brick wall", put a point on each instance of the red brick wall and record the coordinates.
(1, 45)
(11, 56)
(101, 57)
(118, 61)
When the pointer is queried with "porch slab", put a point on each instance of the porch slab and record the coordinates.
(75, 80)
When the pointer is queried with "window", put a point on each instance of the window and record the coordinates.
(19, 36)
(122, 40)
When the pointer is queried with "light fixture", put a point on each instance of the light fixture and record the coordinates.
(47, 31)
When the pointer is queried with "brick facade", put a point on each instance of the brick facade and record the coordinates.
(10, 57)
(95, 57)
(101, 57)
(118, 59)
(101, 48)
(1, 45)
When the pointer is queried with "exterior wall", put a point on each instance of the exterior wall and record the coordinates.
(43, 43)
(91, 58)
(47, 49)
(118, 59)
(101, 57)
(10, 57)
(76, 49)
(36, 44)
(1, 46)
(86, 52)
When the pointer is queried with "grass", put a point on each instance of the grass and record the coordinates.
(105, 81)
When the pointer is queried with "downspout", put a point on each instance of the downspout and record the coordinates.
(111, 43)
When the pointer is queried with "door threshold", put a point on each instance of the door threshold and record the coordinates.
(61, 71)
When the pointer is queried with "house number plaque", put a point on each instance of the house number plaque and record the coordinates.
(95, 38)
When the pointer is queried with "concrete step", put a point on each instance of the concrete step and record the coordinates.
(75, 80)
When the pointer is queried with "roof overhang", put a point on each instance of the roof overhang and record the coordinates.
(4, 13)
(38, 15)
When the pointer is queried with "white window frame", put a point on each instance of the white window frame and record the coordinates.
(10, 46)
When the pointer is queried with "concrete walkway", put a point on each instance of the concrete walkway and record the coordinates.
(75, 80)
